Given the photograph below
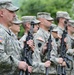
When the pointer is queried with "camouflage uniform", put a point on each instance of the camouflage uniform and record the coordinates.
(28, 19)
(65, 15)
(9, 48)
(39, 57)
(70, 40)
(40, 39)
(9, 53)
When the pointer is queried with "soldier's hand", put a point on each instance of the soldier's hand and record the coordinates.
(65, 39)
(60, 60)
(22, 65)
(64, 63)
(44, 49)
(47, 63)
(31, 44)
(59, 36)
(30, 69)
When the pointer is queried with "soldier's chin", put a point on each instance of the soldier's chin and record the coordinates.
(10, 24)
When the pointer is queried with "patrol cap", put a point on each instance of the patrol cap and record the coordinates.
(71, 23)
(7, 4)
(35, 21)
(53, 27)
(63, 14)
(45, 15)
(55, 30)
(16, 21)
(29, 19)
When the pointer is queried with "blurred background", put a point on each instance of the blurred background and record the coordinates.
(31, 7)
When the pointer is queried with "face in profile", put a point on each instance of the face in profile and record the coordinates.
(47, 23)
(8, 16)
(36, 27)
(15, 28)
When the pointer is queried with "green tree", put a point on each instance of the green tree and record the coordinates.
(31, 7)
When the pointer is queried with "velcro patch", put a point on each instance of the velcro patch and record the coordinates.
(40, 39)
(1, 39)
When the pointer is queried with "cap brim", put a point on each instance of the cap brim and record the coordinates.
(54, 30)
(68, 17)
(36, 21)
(50, 19)
(17, 22)
(64, 17)
(11, 7)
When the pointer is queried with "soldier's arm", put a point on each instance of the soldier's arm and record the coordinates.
(70, 51)
(38, 66)
(22, 40)
(39, 43)
(54, 55)
(6, 59)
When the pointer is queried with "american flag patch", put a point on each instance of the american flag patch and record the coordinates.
(1, 39)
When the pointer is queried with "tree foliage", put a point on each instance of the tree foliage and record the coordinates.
(31, 7)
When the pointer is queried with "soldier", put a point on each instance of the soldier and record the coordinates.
(55, 34)
(9, 54)
(70, 37)
(41, 38)
(35, 24)
(28, 27)
(29, 23)
(61, 17)
(15, 28)
(70, 43)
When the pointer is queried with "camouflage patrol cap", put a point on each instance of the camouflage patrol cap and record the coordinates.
(29, 19)
(16, 21)
(63, 14)
(35, 21)
(44, 15)
(71, 23)
(54, 26)
(7, 4)
(55, 30)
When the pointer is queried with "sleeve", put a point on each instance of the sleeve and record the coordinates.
(54, 58)
(38, 67)
(22, 40)
(70, 51)
(6, 59)
(39, 43)
(54, 54)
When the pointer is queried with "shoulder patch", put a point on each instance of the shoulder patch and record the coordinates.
(40, 39)
(1, 39)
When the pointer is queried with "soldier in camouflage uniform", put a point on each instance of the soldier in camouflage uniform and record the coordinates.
(27, 26)
(15, 28)
(35, 25)
(41, 38)
(62, 19)
(10, 51)
(70, 43)
(27, 21)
